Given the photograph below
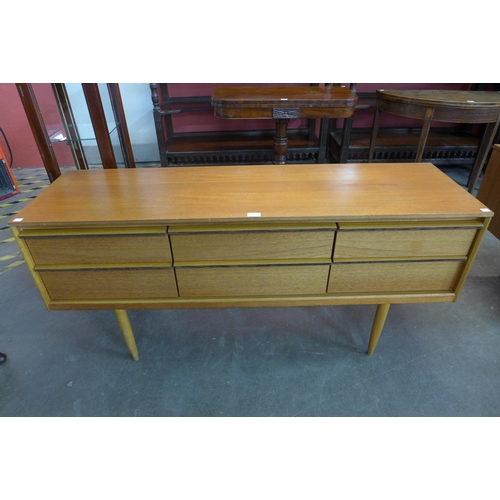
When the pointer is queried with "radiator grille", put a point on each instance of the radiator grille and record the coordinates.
(6, 185)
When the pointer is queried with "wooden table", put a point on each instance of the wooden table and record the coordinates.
(281, 104)
(456, 106)
(489, 190)
(251, 236)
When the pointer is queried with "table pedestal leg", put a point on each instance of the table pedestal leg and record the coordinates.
(128, 334)
(280, 141)
(378, 325)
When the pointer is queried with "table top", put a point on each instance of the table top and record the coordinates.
(326, 97)
(318, 193)
(444, 98)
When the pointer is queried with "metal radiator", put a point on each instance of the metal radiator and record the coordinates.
(8, 185)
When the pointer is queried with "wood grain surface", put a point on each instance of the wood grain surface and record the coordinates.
(109, 284)
(489, 190)
(243, 245)
(403, 243)
(245, 281)
(292, 193)
(100, 250)
(283, 102)
(394, 277)
(466, 99)
(306, 96)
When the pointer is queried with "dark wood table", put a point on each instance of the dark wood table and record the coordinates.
(489, 190)
(456, 106)
(282, 104)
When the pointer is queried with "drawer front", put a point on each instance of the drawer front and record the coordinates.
(110, 284)
(410, 243)
(252, 280)
(103, 249)
(394, 276)
(252, 245)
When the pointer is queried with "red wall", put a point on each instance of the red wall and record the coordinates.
(15, 125)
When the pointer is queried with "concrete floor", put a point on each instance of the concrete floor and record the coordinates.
(432, 359)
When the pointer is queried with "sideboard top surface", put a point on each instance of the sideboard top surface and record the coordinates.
(326, 192)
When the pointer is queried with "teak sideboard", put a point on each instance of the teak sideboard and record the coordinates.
(251, 236)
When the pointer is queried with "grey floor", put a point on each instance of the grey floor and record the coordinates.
(432, 359)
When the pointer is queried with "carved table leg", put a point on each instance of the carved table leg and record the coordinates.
(378, 325)
(280, 141)
(128, 334)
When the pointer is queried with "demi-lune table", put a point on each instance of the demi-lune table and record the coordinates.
(251, 236)
(455, 106)
(282, 104)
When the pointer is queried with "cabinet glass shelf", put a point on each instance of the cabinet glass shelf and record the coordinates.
(57, 133)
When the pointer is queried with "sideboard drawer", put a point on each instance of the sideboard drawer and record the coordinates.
(98, 284)
(103, 249)
(369, 277)
(223, 246)
(411, 243)
(252, 280)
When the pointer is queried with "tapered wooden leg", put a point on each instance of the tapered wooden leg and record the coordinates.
(128, 334)
(376, 122)
(378, 325)
(482, 152)
(429, 113)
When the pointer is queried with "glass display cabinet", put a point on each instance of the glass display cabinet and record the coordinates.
(77, 124)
